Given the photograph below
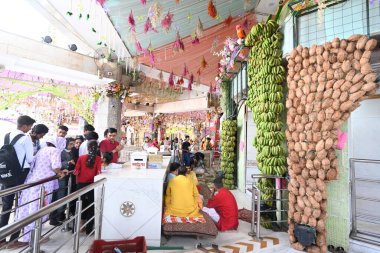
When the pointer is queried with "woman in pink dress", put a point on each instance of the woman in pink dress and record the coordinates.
(47, 163)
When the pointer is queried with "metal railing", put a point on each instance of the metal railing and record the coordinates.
(257, 212)
(18, 189)
(365, 216)
(37, 218)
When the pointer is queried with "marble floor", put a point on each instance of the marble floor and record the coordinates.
(188, 244)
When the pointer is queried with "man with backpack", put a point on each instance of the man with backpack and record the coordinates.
(16, 157)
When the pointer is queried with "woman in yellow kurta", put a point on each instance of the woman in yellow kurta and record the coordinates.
(181, 198)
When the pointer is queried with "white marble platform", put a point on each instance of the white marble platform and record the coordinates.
(132, 204)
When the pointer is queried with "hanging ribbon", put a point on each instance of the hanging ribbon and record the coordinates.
(212, 12)
(131, 21)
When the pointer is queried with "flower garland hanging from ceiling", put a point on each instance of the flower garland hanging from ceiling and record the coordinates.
(154, 14)
(212, 12)
(167, 21)
(178, 45)
(198, 31)
(191, 81)
(131, 21)
(228, 20)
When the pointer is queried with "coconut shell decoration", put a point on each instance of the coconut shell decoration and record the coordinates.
(333, 78)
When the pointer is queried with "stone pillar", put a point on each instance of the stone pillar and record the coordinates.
(108, 115)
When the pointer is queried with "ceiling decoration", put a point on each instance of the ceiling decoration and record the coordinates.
(195, 56)
(168, 17)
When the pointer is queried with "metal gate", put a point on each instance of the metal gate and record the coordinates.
(365, 200)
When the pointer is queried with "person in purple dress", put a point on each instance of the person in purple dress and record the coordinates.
(47, 163)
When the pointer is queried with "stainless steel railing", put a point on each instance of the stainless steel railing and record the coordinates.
(365, 201)
(256, 203)
(17, 190)
(36, 218)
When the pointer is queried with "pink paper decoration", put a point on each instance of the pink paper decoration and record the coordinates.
(139, 48)
(149, 51)
(198, 31)
(342, 138)
(185, 70)
(101, 2)
(171, 80)
(152, 59)
(195, 41)
(191, 81)
(131, 21)
(178, 44)
(148, 26)
(143, 2)
(167, 21)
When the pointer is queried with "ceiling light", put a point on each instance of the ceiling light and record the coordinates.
(47, 39)
(73, 47)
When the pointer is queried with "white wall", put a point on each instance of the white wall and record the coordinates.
(251, 166)
(364, 128)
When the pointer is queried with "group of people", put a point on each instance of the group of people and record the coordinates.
(182, 199)
(206, 143)
(40, 158)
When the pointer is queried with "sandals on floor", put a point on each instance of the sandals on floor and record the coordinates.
(332, 249)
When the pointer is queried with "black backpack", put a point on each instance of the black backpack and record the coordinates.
(10, 168)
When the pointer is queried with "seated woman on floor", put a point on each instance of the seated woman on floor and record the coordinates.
(182, 195)
(173, 171)
(222, 207)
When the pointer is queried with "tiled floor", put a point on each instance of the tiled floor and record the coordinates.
(188, 243)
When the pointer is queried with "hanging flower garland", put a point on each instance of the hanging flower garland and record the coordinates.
(131, 21)
(212, 12)
(148, 26)
(171, 80)
(204, 63)
(228, 20)
(185, 70)
(231, 50)
(138, 46)
(149, 51)
(161, 79)
(198, 31)
(154, 14)
(191, 81)
(80, 102)
(195, 40)
(167, 21)
(178, 45)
